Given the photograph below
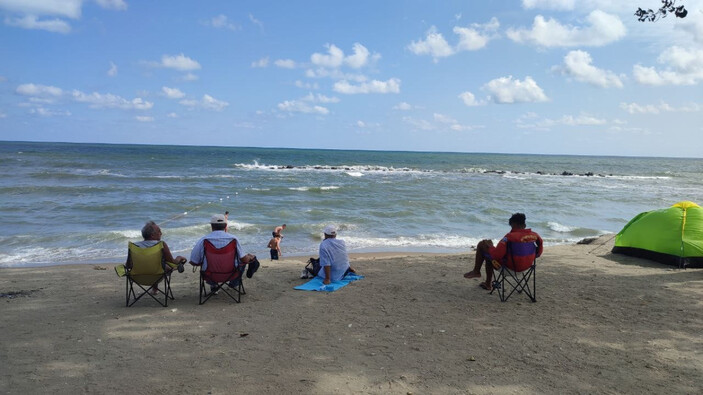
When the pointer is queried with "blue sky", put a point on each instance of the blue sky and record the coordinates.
(531, 76)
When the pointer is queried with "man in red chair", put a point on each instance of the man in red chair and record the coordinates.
(497, 256)
(219, 237)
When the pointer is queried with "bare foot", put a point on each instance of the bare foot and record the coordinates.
(472, 274)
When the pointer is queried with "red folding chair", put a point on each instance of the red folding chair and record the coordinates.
(223, 268)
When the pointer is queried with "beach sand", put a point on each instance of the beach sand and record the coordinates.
(602, 323)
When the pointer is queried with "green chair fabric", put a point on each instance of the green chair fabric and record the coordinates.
(146, 272)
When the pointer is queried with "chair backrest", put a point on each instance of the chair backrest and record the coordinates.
(221, 262)
(521, 255)
(147, 263)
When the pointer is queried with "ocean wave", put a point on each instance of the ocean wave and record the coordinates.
(575, 233)
(360, 170)
(314, 189)
(437, 241)
(352, 170)
(44, 256)
(557, 227)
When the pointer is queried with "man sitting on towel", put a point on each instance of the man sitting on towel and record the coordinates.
(334, 261)
(496, 256)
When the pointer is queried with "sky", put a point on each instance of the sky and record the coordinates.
(526, 76)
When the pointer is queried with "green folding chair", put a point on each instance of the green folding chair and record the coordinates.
(147, 272)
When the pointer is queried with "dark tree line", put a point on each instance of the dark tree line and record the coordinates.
(668, 7)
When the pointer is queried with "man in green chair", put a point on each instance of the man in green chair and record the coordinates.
(149, 262)
(151, 232)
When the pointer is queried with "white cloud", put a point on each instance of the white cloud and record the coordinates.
(108, 100)
(306, 85)
(256, 21)
(531, 121)
(113, 70)
(682, 67)
(211, 103)
(65, 8)
(31, 22)
(285, 63)
(471, 38)
(477, 36)
(507, 90)
(179, 62)
(452, 123)
(361, 124)
(32, 10)
(189, 77)
(420, 124)
(335, 57)
(302, 107)
(333, 60)
(222, 22)
(441, 118)
(578, 64)
(144, 118)
(334, 74)
(361, 57)
(172, 93)
(172, 115)
(403, 106)
(375, 86)
(38, 90)
(563, 5)
(602, 29)
(635, 108)
(318, 98)
(470, 100)
(43, 112)
(261, 63)
(694, 26)
(580, 120)
(120, 5)
(434, 45)
(440, 122)
(207, 102)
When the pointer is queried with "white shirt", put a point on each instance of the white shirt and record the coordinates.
(333, 253)
(218, 238)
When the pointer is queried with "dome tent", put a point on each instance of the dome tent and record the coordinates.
(673, 235)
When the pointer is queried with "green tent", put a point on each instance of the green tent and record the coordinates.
(673, 236)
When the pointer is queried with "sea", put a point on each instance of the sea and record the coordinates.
(66, 203)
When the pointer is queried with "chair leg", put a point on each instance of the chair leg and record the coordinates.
(127, 291)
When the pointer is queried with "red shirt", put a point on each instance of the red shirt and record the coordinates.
(522, 254)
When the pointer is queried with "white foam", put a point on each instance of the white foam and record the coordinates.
(557, 227)
(353, 169)
(420, 241)
(127, 234)
(306, 189)
(355, 173)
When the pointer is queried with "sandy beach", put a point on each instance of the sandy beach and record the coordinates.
(602, 323)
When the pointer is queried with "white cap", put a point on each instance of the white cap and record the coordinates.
(330, 230)
(218, 219)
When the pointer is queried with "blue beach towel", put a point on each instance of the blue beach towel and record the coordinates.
(316, 283)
